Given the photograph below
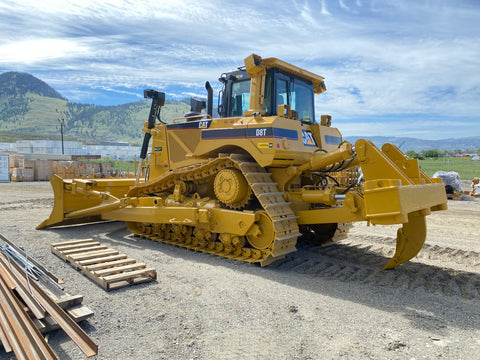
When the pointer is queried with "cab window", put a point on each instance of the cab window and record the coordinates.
(240, 97)
(296, 93)
(302, 101)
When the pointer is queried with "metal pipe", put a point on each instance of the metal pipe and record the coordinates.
(62, 122)
(319, 161)
(209, 99)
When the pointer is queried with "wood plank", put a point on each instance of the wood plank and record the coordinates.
(109, 264)
(68, 301)
(92, 277)
(84, 250)
(131, 274)
(58, 253)
(119, 269)
(80, 313)
(92, 255)
(105, 260)
(71, 242)
(133, 281)
(76, 246)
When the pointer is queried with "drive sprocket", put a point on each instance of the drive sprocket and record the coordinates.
(231, 188)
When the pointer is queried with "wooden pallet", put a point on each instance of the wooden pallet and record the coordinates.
(106, 266)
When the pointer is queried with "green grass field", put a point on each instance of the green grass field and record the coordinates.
(465, 167)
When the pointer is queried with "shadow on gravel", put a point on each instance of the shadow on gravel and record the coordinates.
(422, 293)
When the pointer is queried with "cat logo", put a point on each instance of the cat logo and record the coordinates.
(308, 139)
(203, 124)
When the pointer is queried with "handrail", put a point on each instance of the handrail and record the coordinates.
(203, 116)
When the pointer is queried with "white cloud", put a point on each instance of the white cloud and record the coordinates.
(343, 5)
(408, 57)
(424, 129)
(40, 51)
(324, 8)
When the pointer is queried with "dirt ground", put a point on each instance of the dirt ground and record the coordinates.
(331, 302)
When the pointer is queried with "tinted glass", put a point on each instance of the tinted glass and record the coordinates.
(240, 97)
(301, 100)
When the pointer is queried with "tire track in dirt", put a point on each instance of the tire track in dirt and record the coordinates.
(386, 246)
(362, 264)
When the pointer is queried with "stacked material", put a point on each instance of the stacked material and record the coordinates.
(20, 295)
(4, 168)
(28, 170)
(16, 167)
(451, 179)
(21, 169)
(43, 170)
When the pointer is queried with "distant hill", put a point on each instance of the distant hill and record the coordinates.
(405, 144)
(29, 108)
(20, 84)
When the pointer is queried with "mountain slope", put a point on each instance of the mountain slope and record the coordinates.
(405, 144)
(20, 84)
(29, 106)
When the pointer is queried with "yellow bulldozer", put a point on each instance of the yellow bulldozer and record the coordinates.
(248, 184)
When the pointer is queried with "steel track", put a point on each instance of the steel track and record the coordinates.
(271, 200)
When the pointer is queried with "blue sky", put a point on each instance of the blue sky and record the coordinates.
(392, 68)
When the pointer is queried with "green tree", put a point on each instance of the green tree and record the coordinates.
(413, 154)
(434, 153)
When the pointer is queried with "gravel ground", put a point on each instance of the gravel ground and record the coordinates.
(329, 302)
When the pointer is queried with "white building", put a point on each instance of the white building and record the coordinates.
(117, 151)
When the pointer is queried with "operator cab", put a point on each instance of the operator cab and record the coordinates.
(280, 88)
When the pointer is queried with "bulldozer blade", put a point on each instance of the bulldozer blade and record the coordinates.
(80, 201)
(410, 239)
(57, 214)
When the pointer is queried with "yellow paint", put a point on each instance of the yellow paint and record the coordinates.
(204, 177)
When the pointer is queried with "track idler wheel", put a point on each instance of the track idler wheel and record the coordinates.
(410, 239)
(262, 233)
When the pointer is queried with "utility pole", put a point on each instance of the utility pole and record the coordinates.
(62, 122)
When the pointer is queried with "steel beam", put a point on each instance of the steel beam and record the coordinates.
(73, 330)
